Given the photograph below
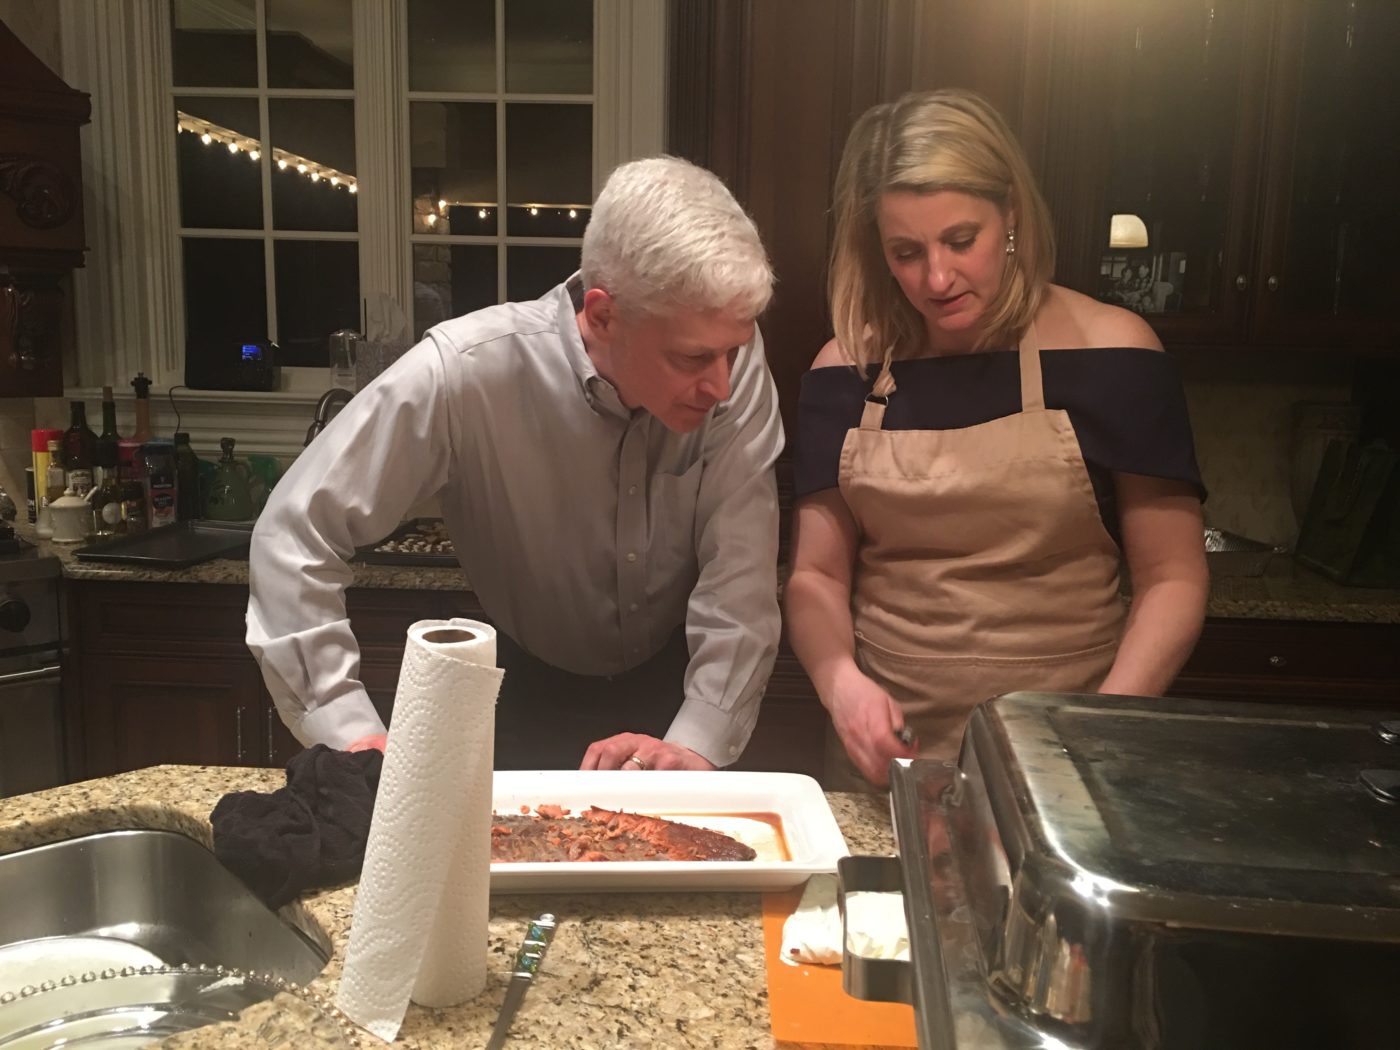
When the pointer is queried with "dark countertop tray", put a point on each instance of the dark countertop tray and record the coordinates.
(173, 546)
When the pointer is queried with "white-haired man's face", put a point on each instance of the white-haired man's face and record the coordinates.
(676, 366)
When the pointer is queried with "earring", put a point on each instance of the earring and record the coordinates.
(1011, 241)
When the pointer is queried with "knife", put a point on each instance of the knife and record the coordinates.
(527, 963)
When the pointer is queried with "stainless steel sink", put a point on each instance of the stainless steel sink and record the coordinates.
(105, 906)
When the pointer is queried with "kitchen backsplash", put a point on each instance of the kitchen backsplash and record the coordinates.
(1242, 413)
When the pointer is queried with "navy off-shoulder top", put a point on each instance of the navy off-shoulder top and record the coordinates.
(1126, 404)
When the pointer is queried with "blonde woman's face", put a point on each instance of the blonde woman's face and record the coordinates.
(947, 251)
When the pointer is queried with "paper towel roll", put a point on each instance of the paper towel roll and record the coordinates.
(420, 922)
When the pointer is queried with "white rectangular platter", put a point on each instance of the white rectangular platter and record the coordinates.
(814, 841)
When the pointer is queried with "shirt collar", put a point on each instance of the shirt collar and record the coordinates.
(600, 394)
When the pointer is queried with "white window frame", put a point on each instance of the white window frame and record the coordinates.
(129, 298)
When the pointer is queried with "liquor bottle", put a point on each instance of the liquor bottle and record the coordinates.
(107, 504)
(107, 441)
(142, 386)
(79, 450)
(186, 479)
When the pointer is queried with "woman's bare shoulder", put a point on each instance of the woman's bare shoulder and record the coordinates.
(1072, 319)
(831, 354)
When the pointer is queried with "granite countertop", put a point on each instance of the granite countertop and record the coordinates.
(625, 970)
(1286, 590)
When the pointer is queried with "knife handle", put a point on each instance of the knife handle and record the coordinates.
(531, 953)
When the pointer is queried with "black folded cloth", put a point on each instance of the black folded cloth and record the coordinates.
(309, 834)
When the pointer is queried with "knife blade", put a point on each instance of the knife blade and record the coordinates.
(527, 964)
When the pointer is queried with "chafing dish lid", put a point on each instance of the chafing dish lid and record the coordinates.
(1241, 815)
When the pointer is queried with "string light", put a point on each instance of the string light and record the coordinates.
(430, 218)
(209, 133)
(534, 211)
(442, 206)
(481, 214)
(573, 213)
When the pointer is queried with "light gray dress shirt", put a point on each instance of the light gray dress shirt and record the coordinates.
(589, 532)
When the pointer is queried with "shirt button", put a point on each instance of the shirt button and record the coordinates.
(631, 556)
(733, 750)
(631, 490)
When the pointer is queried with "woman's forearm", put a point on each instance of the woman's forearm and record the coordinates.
(1163, 625)
(819, 627)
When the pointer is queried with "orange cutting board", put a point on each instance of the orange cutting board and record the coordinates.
(809, 1006)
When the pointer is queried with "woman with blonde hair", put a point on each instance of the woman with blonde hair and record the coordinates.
(978, 449)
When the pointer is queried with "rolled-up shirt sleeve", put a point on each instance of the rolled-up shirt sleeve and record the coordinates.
(732, 619)
(388, 449)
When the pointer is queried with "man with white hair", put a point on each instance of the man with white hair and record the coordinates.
(603, 456)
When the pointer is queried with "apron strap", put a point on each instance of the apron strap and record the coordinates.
(873, 415)
(1032, 387)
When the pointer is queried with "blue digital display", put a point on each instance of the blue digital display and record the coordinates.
(252, 352)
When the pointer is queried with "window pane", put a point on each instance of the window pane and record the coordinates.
(549, 46)
(450, 280)
(549, 167)
(225, 304)
(454, 167)
(318, 292)
(452, 45)
(318, 136)
(309, 44)
(219, 189)
(214, 45)
(530, 272)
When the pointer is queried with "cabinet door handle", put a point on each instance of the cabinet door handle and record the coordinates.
(1241, 282)
(1272, 283)
(1277, 661)
(238, 731)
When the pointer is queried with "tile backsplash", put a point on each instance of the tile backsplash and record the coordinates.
(1242, 413)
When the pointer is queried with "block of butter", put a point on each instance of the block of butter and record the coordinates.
(875, 926)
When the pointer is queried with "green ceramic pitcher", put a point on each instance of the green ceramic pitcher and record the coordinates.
(229, 497)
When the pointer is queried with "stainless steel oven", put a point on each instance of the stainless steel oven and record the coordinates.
(31, 695)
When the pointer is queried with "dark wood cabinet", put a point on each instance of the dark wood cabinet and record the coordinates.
(160, 673)
(149, 709)
(1225, 170)
(41, 216)
(1286, 661)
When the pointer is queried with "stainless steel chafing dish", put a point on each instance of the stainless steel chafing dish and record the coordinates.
(1116, 872)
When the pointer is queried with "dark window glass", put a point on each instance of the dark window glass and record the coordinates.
(549, 46)
(530, 272)
(225, 304)
(318, 292)
(450, 280)
(219, 189)
(319, 136)
(310, 44)
(214, 45)
(452, 45)
(454, 167)
(549, 167)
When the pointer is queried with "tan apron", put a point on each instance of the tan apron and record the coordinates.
(983, 565)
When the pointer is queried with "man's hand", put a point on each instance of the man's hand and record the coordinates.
(869, 722)
(635, 751)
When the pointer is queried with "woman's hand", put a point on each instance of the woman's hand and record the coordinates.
(640, 752)
(869, 723)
